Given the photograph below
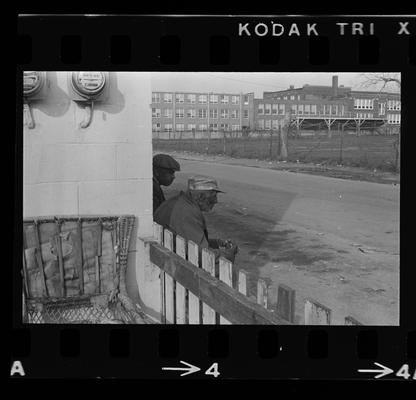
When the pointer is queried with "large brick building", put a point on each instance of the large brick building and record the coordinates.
(186, 113)
(182, 114)
(320, 103)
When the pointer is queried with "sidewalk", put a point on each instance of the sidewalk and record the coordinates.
(341, 172)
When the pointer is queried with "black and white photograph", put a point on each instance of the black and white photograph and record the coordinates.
(211, 198)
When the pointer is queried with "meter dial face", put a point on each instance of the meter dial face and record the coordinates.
(32, 82)
(88, 83)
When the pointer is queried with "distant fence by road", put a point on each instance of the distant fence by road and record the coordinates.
(381, 152)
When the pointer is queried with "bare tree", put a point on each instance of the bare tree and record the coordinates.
(381, 80)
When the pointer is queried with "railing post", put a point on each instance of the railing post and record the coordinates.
(208, 264)
(193, 257)
(262, 293)
(316, 313)
(226, 276)
(242, 282)
(181, 292)
(286, 303)
(169, 282)
(158, 235)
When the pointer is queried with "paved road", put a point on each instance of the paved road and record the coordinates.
(314, 232)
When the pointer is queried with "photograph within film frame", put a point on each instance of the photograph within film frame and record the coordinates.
(297, 125)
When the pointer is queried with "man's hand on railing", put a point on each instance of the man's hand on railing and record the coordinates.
(223, 248)
(228, 249)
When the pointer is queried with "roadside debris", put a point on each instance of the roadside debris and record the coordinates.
(241, 211)
(373, 291)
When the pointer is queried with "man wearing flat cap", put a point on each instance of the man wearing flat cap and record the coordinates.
(183, 215)
(164, 168)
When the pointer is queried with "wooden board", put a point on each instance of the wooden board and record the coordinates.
(169, 282)
(262, 293)
(223, 299)
(226, 276)
(208, 264)
(316, 313)
(194, 306)
(181, 292)
(242, 282)
(286, 301)
(351, 321)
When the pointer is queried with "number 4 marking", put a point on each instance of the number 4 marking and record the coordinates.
(403, 372)
(213, 370)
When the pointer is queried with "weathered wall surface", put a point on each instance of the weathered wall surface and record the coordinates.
(103, 169)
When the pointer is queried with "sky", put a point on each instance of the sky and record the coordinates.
(246, 82)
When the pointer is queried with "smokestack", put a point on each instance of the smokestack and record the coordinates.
(335, 86)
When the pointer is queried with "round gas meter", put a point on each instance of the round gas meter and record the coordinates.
(32, 82)
(88, 84)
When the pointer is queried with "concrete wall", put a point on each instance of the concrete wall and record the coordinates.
(103, 169)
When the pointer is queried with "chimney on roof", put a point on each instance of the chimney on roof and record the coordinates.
(291, 87)
(335, 86)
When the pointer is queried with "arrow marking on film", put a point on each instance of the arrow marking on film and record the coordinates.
(384, 371)
(190, 369)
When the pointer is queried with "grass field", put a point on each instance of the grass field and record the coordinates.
(370, 152)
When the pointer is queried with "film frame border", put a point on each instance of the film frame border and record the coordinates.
(222, 50)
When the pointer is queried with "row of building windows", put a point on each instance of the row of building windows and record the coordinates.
(291, 97)
(157, 127)
(268, 109)
(198, 113)
(364, 104)
(368, 104)
(300, 109)
(393, 119)
(394, 105)
(364, 115)
(202, 98)
(269, 123)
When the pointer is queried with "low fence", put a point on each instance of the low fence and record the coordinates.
(74, 271)
(194, 290)
(381, 152)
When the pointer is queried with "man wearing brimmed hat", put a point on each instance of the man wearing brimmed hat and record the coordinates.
(182, 214)
(164, 168)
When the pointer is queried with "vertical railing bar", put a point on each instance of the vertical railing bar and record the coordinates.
(81, 257)
(25, 272)
(194, 306)
(262, 293)
(208, 264)
(169, 281)
(25, 276)
(163, 297)
(97, 257)
(39, 258)
(226, 276)
(158, 234)
(242, 282)
(115, 242)
(58, 246)
(181, 291)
